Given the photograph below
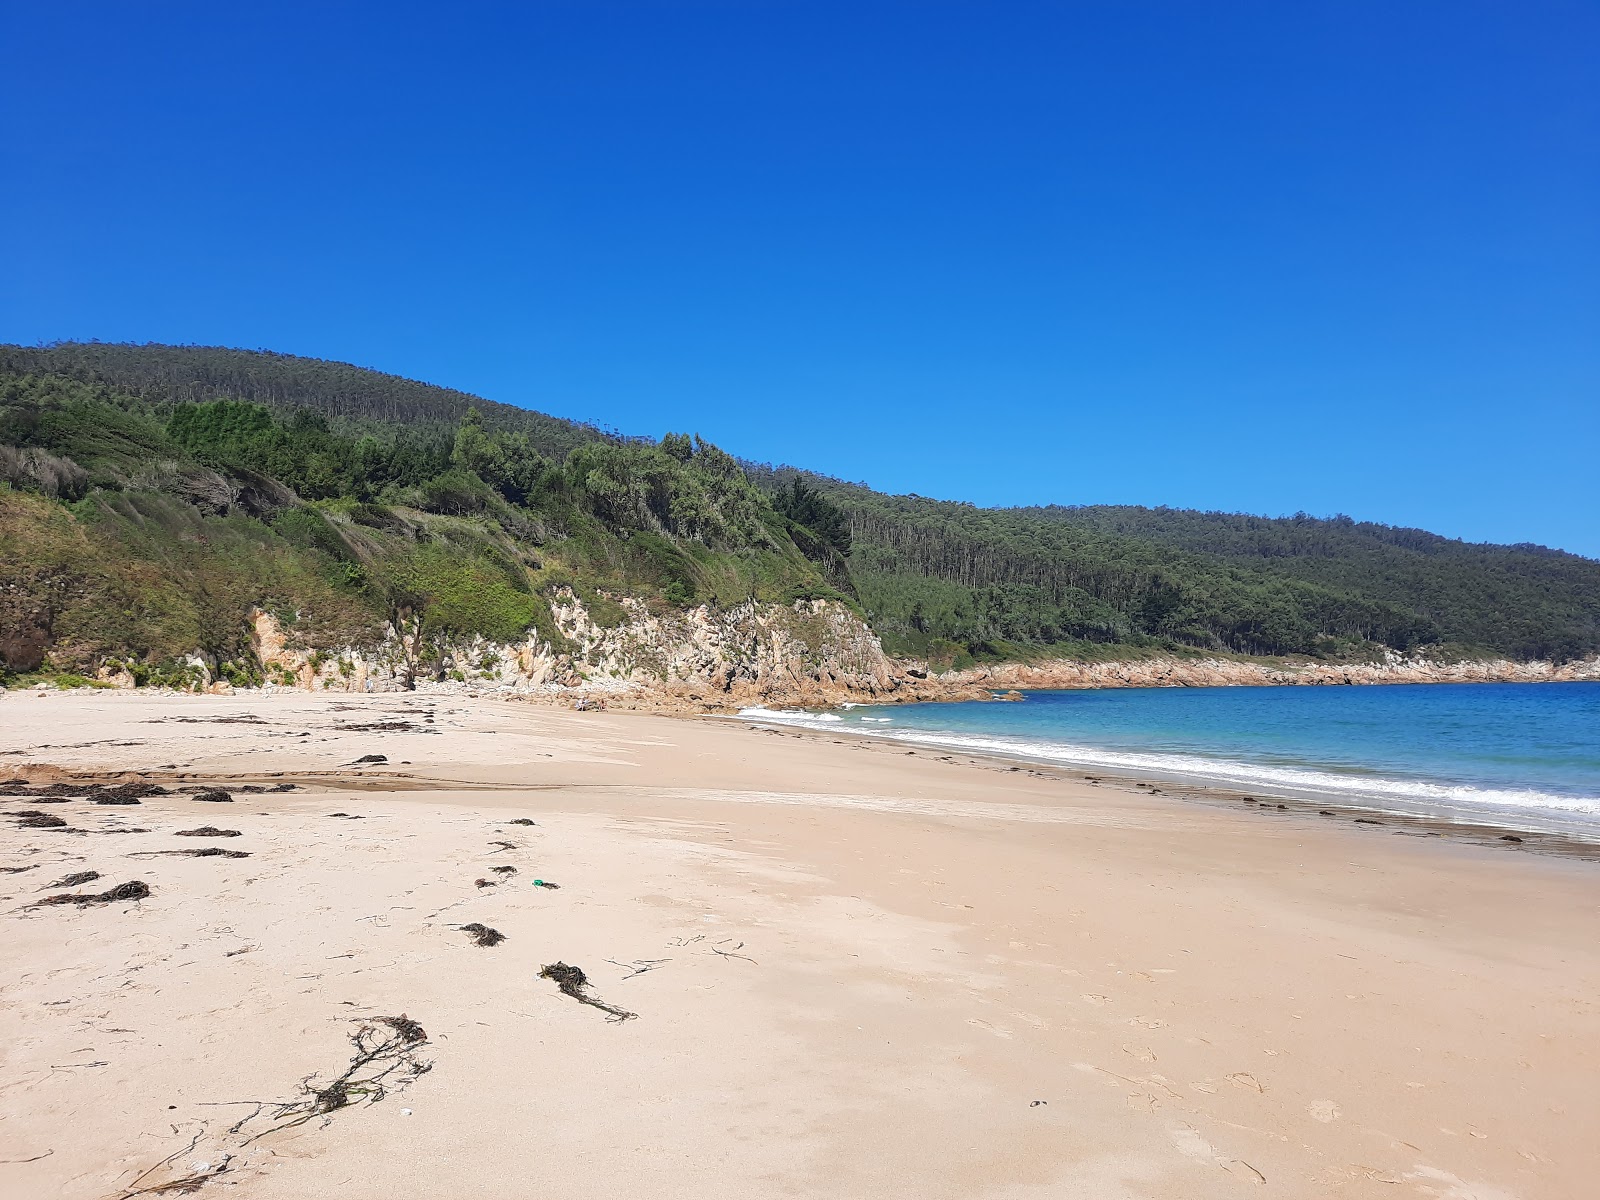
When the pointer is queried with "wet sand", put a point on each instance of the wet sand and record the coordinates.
(857, 971)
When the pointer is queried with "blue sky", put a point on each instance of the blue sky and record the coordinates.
(1250, 256)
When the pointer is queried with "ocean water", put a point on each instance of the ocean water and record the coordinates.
(1521, 755)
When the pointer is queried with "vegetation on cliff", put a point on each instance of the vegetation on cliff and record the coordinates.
(152, 496)
(145, 526)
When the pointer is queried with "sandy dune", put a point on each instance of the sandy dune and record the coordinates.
(857, 972)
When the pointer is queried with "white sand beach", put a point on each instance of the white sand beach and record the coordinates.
(856, 971)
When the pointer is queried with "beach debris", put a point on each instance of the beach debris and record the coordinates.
(1325, 812)
(1283, 808)
(207, 831)
(1510, 837)
(506, 869)
(55, 793)
(127, 793)
(19, 870)
(1367, 821)
(39, 820)
(486, 883)
(135, 889)
(638, 966)
(573, 982)
(76, 879)
(482, 934)
(213, 796)
(284, 787)
(199, 852)
(545, 883)
(733, 953)
(370, 758)
(385, 1060)
(522, 821)
(1037, 1103)
(503, 846)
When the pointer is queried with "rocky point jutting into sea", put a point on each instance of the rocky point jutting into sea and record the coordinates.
(812, 653)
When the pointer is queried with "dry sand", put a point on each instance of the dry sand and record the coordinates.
(858, 972)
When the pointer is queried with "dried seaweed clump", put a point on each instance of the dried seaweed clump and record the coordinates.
(76, 879)
(523, 821)
(207, 831)
(39, 820)
(200, 852)
(127, 793)
(135, 889)
(483, 935)
(573, 982)
(213, 796)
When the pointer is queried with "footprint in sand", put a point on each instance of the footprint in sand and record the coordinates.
(1142, 1053)
(1246, 1080)
(1148, 1022)
(1094, 998)
(1324, 1111)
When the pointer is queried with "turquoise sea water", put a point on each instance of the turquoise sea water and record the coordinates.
(1523, 755)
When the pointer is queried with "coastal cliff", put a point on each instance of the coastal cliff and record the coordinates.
(809, 654)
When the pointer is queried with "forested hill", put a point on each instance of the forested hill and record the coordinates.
(956, 582)
(151, 496)
(351, 396)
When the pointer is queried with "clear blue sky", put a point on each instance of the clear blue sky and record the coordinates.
(1254, 256)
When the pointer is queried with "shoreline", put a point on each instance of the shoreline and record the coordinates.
(849, 969)
(1493, 834)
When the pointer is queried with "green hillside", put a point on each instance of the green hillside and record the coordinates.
(150, 496)
(141, 523)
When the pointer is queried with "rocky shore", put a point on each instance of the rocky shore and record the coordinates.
(812, 654)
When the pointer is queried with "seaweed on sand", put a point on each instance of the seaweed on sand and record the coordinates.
(385, 1060)
(127, 793)
(39, 820)
(207, 831)
(213, 796)
(76, 879)
(573, 982)
(483, 935)
(200, 852)
(136, 889)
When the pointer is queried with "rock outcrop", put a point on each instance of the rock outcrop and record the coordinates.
(811, 654)
(1217, 672)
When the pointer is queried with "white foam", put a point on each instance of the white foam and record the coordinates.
(1524, 808)
(788, 716)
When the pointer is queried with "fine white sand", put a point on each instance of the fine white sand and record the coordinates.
(858, 972)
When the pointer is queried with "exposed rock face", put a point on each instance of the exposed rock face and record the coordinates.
(1172, 672)
(814, 652)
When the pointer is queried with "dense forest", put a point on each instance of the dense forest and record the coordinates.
(956, 582)
(150, 496)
